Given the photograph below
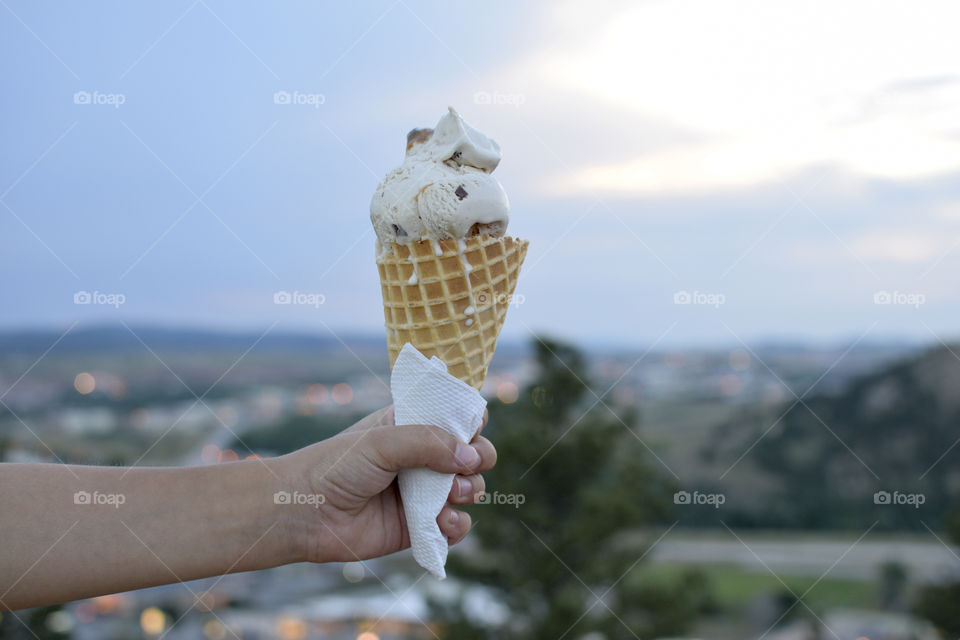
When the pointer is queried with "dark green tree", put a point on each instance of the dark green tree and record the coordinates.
(938, 602)
(572, 488)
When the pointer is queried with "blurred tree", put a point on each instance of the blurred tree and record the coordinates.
(938, 603)
(31, 624)
(572, 479)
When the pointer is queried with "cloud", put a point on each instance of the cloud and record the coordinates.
(767, 89)
(899, 245)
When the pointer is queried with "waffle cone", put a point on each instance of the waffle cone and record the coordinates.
(449, 299)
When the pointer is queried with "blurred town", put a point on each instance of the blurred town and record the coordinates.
(831, 564)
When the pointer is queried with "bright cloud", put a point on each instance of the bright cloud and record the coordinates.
(864, 85)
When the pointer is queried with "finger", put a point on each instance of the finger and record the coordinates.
(454, 524)
(416, 445)
(488, 453)
(465, 489)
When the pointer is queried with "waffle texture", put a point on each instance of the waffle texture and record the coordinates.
(449, 299)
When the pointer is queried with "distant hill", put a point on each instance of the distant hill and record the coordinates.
(815, 466)
(118, 338)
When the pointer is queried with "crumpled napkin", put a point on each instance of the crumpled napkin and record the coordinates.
(424, 393)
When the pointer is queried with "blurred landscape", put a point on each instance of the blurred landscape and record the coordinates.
(725, 399)
(732, 492)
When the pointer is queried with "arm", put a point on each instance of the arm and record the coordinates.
(148, 526)
(152, 526)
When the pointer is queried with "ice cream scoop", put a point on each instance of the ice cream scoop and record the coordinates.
(443, 189)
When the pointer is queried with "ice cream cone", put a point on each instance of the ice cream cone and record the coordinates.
(449, 298)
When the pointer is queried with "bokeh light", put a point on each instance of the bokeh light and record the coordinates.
(291, 629)
(214, 630)
(60, 622)
(153, 621)
(342, 393)
(507, 392)
(84, 383)
(353, 571)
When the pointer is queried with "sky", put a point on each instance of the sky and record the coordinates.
(686, 172)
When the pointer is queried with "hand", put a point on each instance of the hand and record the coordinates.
(355, 471)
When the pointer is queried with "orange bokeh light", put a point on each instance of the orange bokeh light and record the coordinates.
(507, 392)
(342, 393)
(84, 383)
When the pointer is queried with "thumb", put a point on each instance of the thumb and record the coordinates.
(418, 445)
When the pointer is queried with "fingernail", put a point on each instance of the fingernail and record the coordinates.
(454, 517)
(464, 487)
(466, 456)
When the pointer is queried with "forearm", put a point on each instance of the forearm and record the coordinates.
(140, 527)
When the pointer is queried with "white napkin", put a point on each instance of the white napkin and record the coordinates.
(424, 393)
